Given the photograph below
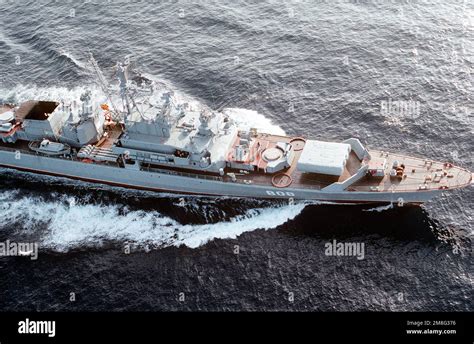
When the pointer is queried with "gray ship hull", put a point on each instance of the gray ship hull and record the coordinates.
(190, 184)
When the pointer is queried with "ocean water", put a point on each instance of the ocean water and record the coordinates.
(397, 75)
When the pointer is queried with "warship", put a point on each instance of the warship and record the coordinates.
(163, 145)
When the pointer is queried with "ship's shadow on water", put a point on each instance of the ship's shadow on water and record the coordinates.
(405, 224)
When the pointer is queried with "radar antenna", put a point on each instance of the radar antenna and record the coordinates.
(127, 97)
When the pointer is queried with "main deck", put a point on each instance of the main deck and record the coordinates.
(418, 173)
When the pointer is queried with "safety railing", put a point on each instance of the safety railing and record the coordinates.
(182, 174)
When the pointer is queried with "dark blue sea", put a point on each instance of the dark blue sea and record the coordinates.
(320, 69)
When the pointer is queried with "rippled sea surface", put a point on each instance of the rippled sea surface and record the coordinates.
(319, 69)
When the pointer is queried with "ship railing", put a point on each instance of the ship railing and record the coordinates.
(183, 174)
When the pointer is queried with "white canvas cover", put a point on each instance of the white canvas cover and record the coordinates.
(324, 157)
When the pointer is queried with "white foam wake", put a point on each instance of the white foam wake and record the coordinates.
(252, 119)
(381, 208)
(66, 224)
(80, 63)
(21, 93)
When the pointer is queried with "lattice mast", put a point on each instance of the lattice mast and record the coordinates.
(117, 115)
